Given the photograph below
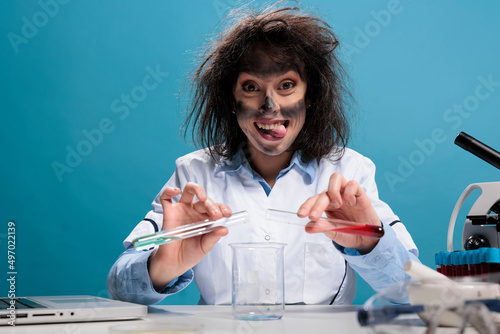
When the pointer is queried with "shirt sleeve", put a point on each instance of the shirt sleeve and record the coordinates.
(384, 265)
(365, 176)
(129, 280)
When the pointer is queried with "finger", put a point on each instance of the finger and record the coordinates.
(223, 209)
(305, 208)
(321, 226)
(312, 228)
(208, 207)
(226, 210)
(209, 240)
(320, 205)
(167, 194)
(331, 198)
(335, 189)
(351, 193)
(190, 191)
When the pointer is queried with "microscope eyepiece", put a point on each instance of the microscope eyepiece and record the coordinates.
(479, 149)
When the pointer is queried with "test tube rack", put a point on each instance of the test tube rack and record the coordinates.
(462, 263)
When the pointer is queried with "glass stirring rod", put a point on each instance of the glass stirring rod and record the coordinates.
(336, 225)
(187, 231)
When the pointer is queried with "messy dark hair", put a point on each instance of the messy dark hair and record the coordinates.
(294, 39)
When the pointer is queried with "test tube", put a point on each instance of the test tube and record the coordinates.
(188, 231)
(336, 225)
(438, 261)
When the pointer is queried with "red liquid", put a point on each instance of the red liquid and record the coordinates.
(366, 230)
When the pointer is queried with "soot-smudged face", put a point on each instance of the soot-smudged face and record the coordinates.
(270, 108)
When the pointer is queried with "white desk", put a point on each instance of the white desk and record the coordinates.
(301, 319)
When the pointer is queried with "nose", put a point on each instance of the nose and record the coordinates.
(269, 106)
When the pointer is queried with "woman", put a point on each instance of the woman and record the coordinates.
(269, 106)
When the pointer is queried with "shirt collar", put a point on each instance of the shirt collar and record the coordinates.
(240, 161)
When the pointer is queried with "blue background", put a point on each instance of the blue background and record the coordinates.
(66, 66)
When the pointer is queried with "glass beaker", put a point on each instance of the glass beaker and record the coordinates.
(258, 289)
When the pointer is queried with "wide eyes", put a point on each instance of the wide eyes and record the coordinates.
(285, 85)
(249, 87)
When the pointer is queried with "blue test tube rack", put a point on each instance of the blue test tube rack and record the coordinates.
(462, 263)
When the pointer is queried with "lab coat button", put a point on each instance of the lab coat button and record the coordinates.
(267, 237)
(144, 286)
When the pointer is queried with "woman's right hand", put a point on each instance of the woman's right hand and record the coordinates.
(173, 259)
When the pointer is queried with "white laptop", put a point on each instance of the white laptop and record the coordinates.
(51, 309)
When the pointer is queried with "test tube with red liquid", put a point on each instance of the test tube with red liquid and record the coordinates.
(333, 224)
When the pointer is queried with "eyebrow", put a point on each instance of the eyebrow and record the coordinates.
(268, 74)
(264, 69)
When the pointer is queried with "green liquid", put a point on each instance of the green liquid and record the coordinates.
(142, 243)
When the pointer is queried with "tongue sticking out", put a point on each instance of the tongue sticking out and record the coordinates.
(278, 132)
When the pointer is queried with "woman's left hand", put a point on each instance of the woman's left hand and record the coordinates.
(344, 200)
